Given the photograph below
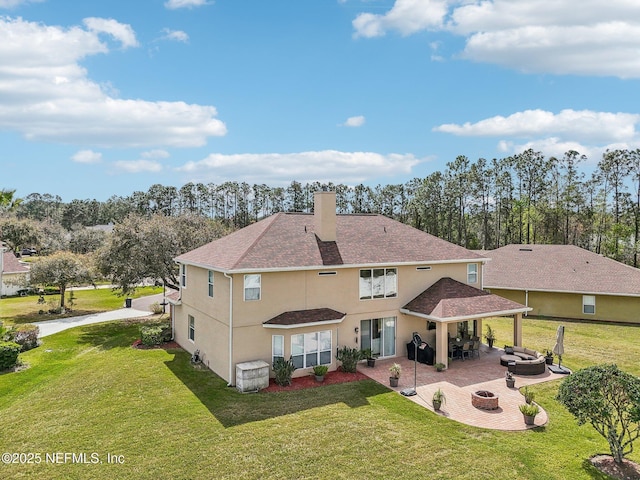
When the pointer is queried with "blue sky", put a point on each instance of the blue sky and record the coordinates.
(107, 97)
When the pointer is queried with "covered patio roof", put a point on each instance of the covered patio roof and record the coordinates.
(448, 300)
(304, 318)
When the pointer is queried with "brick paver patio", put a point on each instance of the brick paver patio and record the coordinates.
(459, 381)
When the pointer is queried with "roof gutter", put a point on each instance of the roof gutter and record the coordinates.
(230, 383)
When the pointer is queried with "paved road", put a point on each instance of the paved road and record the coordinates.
(49, 327)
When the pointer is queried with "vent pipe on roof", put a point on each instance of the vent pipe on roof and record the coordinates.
(324, 215)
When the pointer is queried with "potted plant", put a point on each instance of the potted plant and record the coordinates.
(511, 382)
(529, 395)
(548, 358)
(371, 360)
(490, 336)
(394, 371)
(439, 366)
(438, 399)
(529, 412)
(320, 371)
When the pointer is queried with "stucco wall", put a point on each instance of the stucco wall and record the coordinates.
(569, 305)
(288, 291)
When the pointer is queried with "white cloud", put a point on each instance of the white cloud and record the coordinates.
(137, 166)
(87, 156)
(121, 32)
(155, 154)
(582, 37)
(15, 3)
(357, 121)
(279, 168)
(45, 94)
(406, 17)
(175, 4)
(175, 35)
(568, 124)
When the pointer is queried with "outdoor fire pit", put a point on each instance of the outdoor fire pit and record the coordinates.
(484, 400)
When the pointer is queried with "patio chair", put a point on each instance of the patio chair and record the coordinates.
(475, 350)
(465, 350)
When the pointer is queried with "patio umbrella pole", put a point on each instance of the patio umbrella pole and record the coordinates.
(409, 392)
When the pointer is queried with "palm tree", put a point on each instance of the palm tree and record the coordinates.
(7, 202)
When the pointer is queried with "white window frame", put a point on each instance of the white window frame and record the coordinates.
(588, 301)
(274, 353)
(183, 275)
(210, 276)
(389, 290)
(191, 328)
(247, 279)
(306, 339)
(472, 273)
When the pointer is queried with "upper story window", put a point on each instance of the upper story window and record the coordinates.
(210, 283)
(472, 273)
(252, 287)
(183, 275)
(378, 283)
(589, 304)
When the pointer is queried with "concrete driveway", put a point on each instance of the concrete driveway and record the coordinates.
(49, 327)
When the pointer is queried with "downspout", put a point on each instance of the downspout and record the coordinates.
(526, 302)
(230, 384)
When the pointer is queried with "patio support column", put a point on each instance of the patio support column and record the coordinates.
(480, 329)
(442, 344)
(517, 329)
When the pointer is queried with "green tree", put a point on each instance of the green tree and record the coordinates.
(19, 233)
(61, 270)
(8, 201)
(609, 399)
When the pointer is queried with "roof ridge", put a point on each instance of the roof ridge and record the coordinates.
(270, 221)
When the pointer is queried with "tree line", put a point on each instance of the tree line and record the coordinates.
(482, 204)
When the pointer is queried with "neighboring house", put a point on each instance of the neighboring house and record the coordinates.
(565, 281)
(14, 274)
(300, 286)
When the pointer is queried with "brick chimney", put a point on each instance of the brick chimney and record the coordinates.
(324, 215)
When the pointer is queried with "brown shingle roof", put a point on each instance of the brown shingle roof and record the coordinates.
(288, 240)
(12, 265)
(448, 299)
(301, 317)
(558, 268)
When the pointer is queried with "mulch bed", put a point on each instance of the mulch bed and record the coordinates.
(166, 346)
(628, 470)
(331, 378)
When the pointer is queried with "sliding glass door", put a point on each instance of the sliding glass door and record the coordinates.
(379, 334)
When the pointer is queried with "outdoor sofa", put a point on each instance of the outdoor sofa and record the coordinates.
(523, 361)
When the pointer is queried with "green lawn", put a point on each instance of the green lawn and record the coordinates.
(87, 391)
(25, 309)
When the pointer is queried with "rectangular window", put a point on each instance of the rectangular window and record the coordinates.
(310, 349)
(183, 275)
(211, 283)
(277, 347)
(472, 273)
(589, 304)
(252, 287)
(378, 283)
(192, 328)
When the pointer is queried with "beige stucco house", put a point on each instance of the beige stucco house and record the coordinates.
(565, 281)
(302, 285)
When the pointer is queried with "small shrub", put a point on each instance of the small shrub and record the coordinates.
(284, 371)
(395, 370)
(9, 352)
(26, 336)
(349, 358)
(529, 395)
(156, 308)
(155, 334)
(529, 410)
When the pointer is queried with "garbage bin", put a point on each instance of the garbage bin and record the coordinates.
(127, 302)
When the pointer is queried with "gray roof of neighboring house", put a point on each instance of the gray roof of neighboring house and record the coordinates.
(11, 264)
(287, 241)
(448, 299)
(558, 268)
